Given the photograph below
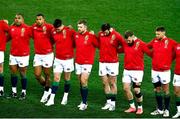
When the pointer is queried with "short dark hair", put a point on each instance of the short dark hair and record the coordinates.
(82, 21)
(128, 33)
(40, 14)
(57, 23)
(160, 28)
(105, 26)
(20, 14)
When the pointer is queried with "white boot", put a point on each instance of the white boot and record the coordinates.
(45, 96)
(51, 100)
(65, 99)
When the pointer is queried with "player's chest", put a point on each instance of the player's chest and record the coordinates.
(18, 32)
(83, 40)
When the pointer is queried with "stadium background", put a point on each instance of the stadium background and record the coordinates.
(141, 16)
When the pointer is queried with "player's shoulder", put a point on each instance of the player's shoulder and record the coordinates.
(25, 25)
(100, 34)
(48, 25)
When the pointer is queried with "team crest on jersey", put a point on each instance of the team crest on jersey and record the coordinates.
(86, 39)
(178, 48)
(137, 45)
(22, 31)
(102, 34)
(77, 36)
(54, 32)
(166, 42)
(113, 37)
(64, 34)
(44, 29)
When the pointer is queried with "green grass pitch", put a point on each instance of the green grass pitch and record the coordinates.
(141, 16)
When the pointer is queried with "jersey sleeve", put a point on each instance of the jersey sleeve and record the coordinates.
(150, 44)
(95, 41)
(146, 49)
(6, 26)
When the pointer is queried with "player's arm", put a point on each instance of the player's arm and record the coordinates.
(146, 49)
(120, 49)
(174, 49)
(150, 44)
(95, 41)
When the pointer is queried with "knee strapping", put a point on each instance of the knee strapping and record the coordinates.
(138, 95)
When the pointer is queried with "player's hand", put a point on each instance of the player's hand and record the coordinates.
(111, 29)
(6, 21)
(70, 26)
(91, 32)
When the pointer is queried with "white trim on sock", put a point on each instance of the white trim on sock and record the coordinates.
(14, 89)
(1, 88)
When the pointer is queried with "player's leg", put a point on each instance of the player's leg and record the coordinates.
(38, 76)
(1, 80)
(54, 88)
(14, 80)
(23, 71)
(165, 80)
(107, 92)
(127, 90)
(139, 97)
(68, 66)
(47, 89)
(14, 77)
(113, 89)
(137, 77)
(1, 74)
(176, 84)
(165, 88)
(47, 62)
(84, 85)
(23, 62)
(67, 84)
(78, 69)
(106, 86)
(129, 96)
(37, 63)
(158, 92)
(57, 69)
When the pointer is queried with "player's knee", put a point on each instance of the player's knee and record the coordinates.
(37, 76)
(136, 85)
(157, 84)
(126, 89)
(84, 83)
(138, 95)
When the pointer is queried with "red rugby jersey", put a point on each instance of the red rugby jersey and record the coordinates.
(177, 60)
(42, 38)
(162, 54)
(108, 46)
(64, 43)
(85, 47)
(20, 37)
(134, 55)
(3, 29)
